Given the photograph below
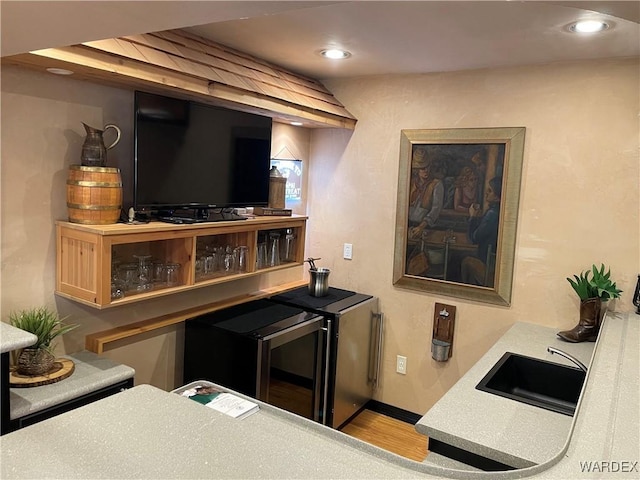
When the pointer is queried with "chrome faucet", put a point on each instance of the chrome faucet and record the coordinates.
(571, 358)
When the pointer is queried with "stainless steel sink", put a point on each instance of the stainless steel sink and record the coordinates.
(535, 382)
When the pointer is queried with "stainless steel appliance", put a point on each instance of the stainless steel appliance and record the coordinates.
(354, 328)
(318, 357)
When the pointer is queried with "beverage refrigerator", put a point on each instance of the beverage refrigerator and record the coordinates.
(315, 356)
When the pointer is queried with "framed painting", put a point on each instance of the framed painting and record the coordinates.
(457, 209)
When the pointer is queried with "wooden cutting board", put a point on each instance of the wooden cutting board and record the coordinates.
(62, 368)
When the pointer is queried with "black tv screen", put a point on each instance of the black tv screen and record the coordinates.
(192, 155)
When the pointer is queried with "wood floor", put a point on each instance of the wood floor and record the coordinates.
(292, 398)
(388, 433)
(380, 430)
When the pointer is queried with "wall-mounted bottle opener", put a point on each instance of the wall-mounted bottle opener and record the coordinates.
(443, 323)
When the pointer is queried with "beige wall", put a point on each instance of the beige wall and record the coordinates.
(579, 203)
(42, 135)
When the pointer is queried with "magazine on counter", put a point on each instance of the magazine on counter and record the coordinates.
(222, 401)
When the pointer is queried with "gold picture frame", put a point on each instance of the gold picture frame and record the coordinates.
(457, 211)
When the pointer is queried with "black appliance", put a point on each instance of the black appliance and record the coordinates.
(354, 326)
(240, 348)
(197, 157)
(318, 357)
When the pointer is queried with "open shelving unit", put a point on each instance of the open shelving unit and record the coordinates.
(86, 254)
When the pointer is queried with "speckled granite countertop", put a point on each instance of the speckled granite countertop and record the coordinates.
(12, 338)
(147, 433)
(91, 373)
(502, 429)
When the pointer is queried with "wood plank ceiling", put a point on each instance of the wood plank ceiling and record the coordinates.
(182, 64)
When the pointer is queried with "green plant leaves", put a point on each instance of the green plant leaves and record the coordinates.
(581, 285)
(43, 323)
(599, 285)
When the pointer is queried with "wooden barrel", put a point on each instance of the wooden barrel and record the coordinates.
(94, 195)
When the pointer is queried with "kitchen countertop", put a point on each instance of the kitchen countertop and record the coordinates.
(147, 433)
(91, 373)
(499, 428)
(12, 338)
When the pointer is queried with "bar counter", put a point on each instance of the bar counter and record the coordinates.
(145, 432)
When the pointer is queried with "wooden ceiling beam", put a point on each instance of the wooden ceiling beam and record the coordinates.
(183, 65)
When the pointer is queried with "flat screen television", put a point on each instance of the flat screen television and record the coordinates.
(194, 156)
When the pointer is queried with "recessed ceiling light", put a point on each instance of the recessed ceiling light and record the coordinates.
(297, 124)
(59, 71)
(588, 26)
(335, 53)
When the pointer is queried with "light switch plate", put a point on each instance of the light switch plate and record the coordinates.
(348, 251)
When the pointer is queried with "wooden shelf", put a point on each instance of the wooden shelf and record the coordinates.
(86, 253)
(96, 342)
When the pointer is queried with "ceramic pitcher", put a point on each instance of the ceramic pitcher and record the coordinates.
(94, 152)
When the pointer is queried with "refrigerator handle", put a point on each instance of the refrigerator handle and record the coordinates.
(328, 333)
(376, 351)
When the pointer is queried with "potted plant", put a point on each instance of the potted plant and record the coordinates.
(593, 287)
(46, 325)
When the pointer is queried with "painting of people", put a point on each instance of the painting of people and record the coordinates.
(450, 217)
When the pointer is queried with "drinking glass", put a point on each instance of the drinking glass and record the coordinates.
(129, 275)
(289, 247)
(241, 253)
(158, 273)
(274, 249)
(118, 286)
(173, 274)
(200, 261)
(229, 260)
(261, 261)
(211, 260)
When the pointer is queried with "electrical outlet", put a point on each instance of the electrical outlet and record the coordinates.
(348, 251)
(401, 365)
